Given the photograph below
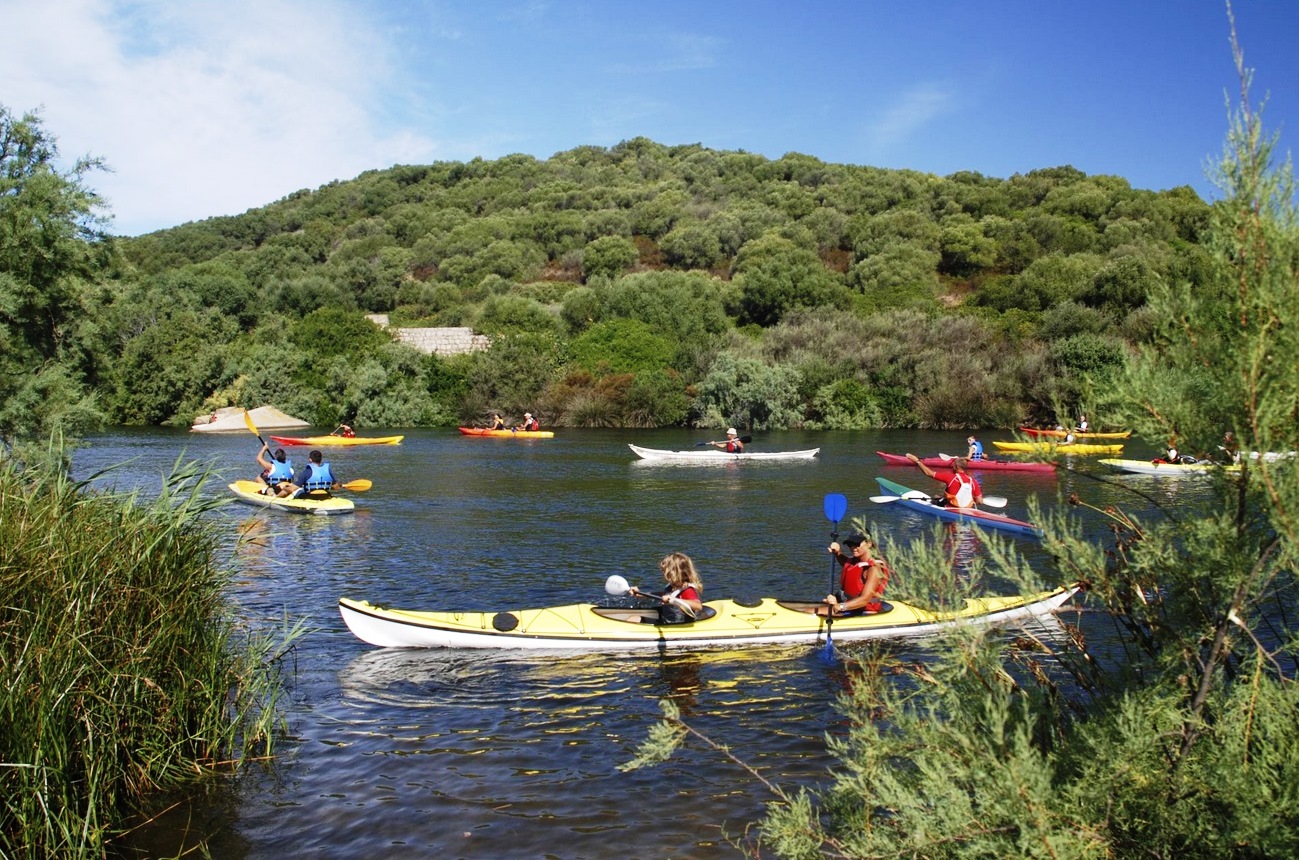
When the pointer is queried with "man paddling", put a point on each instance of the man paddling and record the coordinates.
(960, 490)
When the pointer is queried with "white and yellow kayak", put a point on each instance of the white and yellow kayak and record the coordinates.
(249, 493)
(723, 624)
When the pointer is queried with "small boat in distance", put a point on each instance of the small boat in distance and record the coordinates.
(1054, 449)
(1077, 434)
(507, 434)
(716, 455)
(985, 464)
(337, 441)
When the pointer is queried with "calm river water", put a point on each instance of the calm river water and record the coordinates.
(416, 754)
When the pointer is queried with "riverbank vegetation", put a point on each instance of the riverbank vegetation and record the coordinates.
(633, 285)
(126, 672)
(1177, 736)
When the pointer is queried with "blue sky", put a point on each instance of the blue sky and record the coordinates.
(213, 108)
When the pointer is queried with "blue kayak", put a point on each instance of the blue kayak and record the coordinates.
(921, 502)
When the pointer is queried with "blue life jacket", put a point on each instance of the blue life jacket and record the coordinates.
(280, 472)
(321, 478)
(978, 450)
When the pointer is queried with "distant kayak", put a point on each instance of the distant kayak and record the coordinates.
(1164, 469)
(507, 434)
(248, 493)
(921, 502)
(1053, 448)
(716, 455)
(986, 465)
(1078, 434)
(323, 441)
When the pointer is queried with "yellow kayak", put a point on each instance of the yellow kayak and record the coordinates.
(1056, 448)
(508, 434)
(323, 441)
(722, 624)
(249, 492)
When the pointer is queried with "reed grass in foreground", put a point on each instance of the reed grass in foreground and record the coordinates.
(125, 672)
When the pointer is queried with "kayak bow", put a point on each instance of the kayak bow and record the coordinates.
(921, 503)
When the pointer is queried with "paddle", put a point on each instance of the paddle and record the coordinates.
(835, 506)
(248, 419)
(618, 587)
(360, 485)
(743, 439)
(916, 495)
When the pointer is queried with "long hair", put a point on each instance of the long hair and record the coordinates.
(680, 571)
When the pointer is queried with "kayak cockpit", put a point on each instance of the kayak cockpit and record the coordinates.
(649, 615)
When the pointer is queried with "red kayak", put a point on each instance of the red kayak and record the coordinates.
(985, 465)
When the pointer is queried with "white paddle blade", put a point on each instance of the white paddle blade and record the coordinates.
(946, 457)
(995, 501)
(616, 585)
(916, 495)
(879, 500)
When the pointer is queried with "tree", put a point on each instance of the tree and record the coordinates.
(51, 244)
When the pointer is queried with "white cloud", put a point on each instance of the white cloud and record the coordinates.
(911, 112)
(205, 109)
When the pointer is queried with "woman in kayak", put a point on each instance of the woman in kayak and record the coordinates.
(498, 423)
(681, 601)
(960, 490)
(862, 581)
(277, 473)
(732, 445)
(529, 423)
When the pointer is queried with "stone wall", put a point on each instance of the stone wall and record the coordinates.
(438, 341)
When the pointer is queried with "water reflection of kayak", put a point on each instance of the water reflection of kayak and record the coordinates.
(724, 624)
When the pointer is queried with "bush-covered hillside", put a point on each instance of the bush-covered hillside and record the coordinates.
(646, 285)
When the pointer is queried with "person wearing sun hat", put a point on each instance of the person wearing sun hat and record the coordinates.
(732, 445)
(862, 581)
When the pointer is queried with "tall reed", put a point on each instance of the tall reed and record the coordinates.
(126, 672)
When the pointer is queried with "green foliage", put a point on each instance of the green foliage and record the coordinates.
(608, 256)
(743, 392)
(125, 673)
(776, 276)
(621, 346)
(50, 246)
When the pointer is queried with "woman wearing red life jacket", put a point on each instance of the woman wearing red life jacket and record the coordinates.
(959, 488)
(862, 581)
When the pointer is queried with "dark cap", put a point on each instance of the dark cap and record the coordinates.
(855, 538)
